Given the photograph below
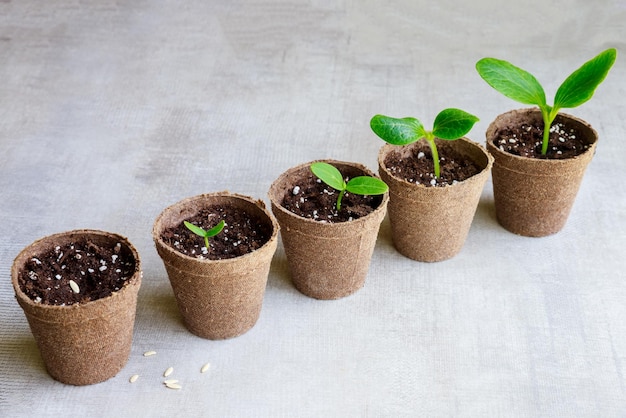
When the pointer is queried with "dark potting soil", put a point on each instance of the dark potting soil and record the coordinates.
(311, 198)
(419, 168)
(526, 140)
(242, 234)
(98, 271)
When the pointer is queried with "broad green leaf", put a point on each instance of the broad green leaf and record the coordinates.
(511, 81)
(195, 229)
(397, 131)
(329, 175)
(581, 84)
(216, 229)
(452, 124)
(366, 186)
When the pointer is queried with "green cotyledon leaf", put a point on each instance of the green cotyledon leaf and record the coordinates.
(329, 175)
(397, 131)
(512, 81)
(366, 186)
(582, 83)
(451, 124)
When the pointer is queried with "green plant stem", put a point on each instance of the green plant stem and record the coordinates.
(433, 149)
(341, 193)
(206, 242)
(549, 115)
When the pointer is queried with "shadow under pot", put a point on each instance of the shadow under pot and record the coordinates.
(78, 290)
(328, 251)
(430, 219)
(219, 289)
(534, 196)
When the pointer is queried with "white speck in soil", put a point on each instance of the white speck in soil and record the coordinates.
(420, 154)
(102, 268)
(58, 277)
(296, 190)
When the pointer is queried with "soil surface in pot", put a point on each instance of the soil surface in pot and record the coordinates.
(420, 169)
(242, 234)
(311, 198)
(525, 140)
(97, 272)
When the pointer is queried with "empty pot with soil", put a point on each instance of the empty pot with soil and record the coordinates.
(328, 250)
(219, 287)
(431, 216)
(78, 290)
(534, 194)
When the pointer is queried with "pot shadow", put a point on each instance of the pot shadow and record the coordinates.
(157, 309)
(486, 213)
(384, 239)
(21, 348)
(279, 278)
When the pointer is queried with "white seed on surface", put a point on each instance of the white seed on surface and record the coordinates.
(170, 381)
(205, 368)
(133, 378)
(149, 353)
(168, 372)
(74, 286)
(173, 386)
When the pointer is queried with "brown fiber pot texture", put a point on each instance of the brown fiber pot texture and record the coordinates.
(88, 343)
(326, 260)
(533, 197)
(218, 299)
(431, 223)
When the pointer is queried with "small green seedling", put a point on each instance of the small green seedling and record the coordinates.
(206, 234)
(450, 124)
(523, 87)
(363, 185)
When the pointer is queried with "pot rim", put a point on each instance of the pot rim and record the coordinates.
(49, 241)
(495, 150)
(385, 149)
(274, 188)
(221, 194)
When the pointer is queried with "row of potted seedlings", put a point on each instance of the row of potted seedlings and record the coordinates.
(79, 289)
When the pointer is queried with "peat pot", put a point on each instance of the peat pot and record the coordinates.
(533, 197)
(218, 299)
(85, 342)
(431, 223)
(326, 260)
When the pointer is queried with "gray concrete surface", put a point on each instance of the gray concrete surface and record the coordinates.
(112, 110)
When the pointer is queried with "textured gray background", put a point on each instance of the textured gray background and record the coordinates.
(112, 110)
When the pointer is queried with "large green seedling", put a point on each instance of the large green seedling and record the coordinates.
(363, 185)
(523, 87)
(450, 124)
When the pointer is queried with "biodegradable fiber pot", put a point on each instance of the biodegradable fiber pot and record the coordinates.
(431, 223)
(533, 197)
(326, 260)
(218, 299)
(83, 343)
